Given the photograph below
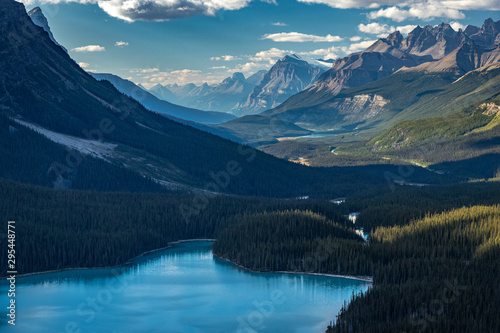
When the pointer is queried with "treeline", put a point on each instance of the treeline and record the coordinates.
(406, 203)
(438, 274)
(300, 241)
(29, 157)
(64, 228)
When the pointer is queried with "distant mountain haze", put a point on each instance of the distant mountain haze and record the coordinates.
(240, 96)
(155, 104)
(286, 78)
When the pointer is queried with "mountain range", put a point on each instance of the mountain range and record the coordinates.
(396, 79)
(240, 96)
(286, 78)
(151, 102)
(61, 127)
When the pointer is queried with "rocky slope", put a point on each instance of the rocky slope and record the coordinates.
(47, 95)
(287, 77)
(410, 70)
(225, 95)
(40, 20)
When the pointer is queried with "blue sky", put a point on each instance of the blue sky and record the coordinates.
(182, 41)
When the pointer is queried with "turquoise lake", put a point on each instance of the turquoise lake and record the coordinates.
(182, 289)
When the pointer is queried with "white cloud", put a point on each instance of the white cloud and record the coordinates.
(457, 26)
(423, 11)
(183, 76)
(406, 29)
(121, 44)
(472, 4)
(328, 53)
(83, 64)
(344, 4)
(144, 70)
(382, 30)
(355, 38)
(161, 10)
(270, 55)
(225, 58)
(249, 67)
(89, 48)
(219, 67)
(375, 28)
(158, 10)
(300, 37)
(443, 4)
(357, 47)
(279, 24)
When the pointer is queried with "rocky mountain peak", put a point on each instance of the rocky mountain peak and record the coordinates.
(290, 75)
(40, 20)
(292, 58)
(238, 77)
(436, 42)
(471, 30)
(395, 39)
(489, 34)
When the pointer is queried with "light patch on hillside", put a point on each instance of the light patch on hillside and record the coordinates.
(87, 147)
(360, 107)
(490, 109)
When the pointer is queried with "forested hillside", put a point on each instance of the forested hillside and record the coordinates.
(438, 274)
(65, 228)
(297, 241)
(55, 96)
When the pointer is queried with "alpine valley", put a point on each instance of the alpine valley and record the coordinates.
(354, 193)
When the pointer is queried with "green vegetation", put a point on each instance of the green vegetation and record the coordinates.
(405, 203)
(432, 273)
(257, 130)
(460, 146)
(55, 93)
(299, 241)
(58, 229)
(437, 274)
(479, 118)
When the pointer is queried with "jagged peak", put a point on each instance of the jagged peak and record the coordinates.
(34, 10)
(238, 76)
(157, 86)
(395, 39)
(471, 29)
(292, 57)
(488, 21)
(489, 24)
(443, 25)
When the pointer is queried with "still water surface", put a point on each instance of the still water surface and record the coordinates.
(183, 289)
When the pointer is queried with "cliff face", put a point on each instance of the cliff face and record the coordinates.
(40, 20)
(287, 77)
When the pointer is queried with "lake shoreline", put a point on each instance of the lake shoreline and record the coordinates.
(127, 263)
(351, 277)
(172, 244)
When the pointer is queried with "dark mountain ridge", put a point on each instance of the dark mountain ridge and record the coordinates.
(47, 92)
